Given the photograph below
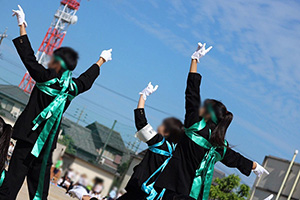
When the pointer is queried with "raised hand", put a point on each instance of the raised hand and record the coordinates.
(259, 170)
(148, 91)
(201, 51)
(106, 55)
(20, 16)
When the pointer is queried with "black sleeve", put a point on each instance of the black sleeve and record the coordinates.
(157, 138)
(192, 99)
(37, 71)
(235, 160)
(141, 122)
(140, 118)
(85, 81)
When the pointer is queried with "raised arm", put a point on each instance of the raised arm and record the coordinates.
(85, 81)
(234, 159)
(26, 53)
(145, 131)
(192, 93)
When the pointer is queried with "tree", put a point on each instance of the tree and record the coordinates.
(229, 188)
(69, 143)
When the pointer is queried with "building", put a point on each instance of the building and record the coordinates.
(12, 102)
(87, 142)
(266, 185)
(115, 148)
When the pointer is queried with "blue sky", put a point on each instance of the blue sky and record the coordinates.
(253, 67)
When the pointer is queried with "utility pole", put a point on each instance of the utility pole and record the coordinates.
(80, 115)
(108, 138)
(3, 35)
(137, 146)
(286, 175)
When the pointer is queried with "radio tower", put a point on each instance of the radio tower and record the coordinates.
(64, 16)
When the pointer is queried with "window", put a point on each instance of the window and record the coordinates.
(6, 105)
(109, 155)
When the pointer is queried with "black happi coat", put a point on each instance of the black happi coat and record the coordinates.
(179, 173)
(38, 100)
(151, 161)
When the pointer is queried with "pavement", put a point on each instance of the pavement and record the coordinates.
(56, 193)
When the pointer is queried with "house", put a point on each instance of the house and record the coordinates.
(87, 141)
(115, 148)
(12, 102)
(270, 184)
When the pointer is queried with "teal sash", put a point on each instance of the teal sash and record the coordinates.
(52, 115)
(2, 177)
(204, 174)
(149, 188)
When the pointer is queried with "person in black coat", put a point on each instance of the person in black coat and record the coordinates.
(168, 133)
(23, 163)
(178, 176)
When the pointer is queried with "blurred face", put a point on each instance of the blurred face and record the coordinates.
(161, 129)
(203, 113)
(53, 64)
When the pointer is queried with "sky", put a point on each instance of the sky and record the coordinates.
(253, 67)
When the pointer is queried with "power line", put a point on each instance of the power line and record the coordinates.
(127, 97)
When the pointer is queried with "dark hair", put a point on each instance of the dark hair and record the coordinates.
(69, 55)
(5, 135)
(175, 128)
(224, 118)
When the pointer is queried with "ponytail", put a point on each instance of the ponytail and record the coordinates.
(218, 134)
(5, 135)
(218, 122)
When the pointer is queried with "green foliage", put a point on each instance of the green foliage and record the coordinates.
(229, 188)
(69, 143)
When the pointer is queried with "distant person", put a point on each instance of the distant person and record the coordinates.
(80, 192)
(56, 170)
(5, 135)
(83, 180)
(37, 128)
(161, 147)
(65, 182)
(113, 194)
(10, 152)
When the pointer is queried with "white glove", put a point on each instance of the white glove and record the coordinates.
(269, 197)
(20, 16)
(106, 55)
(148, 90)
(259, 170)
(201, 51)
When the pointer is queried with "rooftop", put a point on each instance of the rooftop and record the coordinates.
(81, 136)
(15, 93)
(102, 131)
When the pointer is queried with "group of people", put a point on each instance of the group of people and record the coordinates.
(180, 159)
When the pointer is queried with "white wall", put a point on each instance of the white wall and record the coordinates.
(92, 171)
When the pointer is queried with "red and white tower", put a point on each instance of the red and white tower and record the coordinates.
(64, 16)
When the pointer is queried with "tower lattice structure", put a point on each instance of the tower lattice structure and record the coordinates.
(63, 18)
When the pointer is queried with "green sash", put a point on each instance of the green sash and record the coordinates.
(2, 177)
(204, 174)
(52, 116)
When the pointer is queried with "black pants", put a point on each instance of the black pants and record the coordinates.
(24, 164)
